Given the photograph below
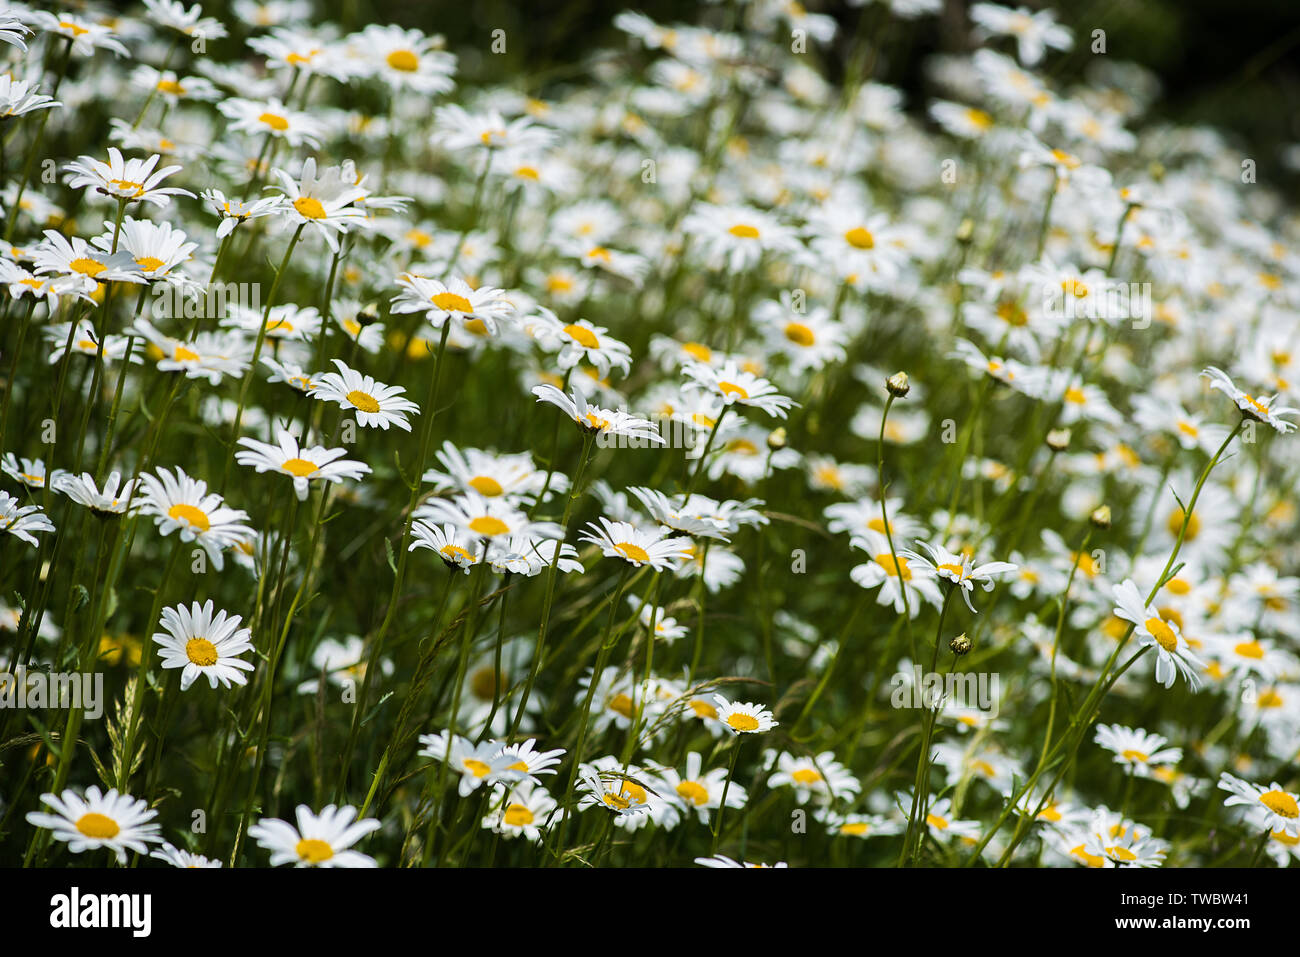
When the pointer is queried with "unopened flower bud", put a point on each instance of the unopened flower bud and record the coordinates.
(966, 231)
(1100, 516)
(368, 315)
(898, 385)
(1058, 440)
(776, 439)
(960, 645)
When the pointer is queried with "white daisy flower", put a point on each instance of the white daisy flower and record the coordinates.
(1173, 653)
(86, 823)
(300, 464)
(204, 645)
(636, 546)
(134, 180)
(744, 718)
(319, 840)
(374, 402)
(23, 522)
(180, 503)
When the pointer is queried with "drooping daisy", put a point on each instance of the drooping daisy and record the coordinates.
(744, 718)
(235, 212)
(1273, 807)
(300, 464)
(635, 546)
(606, 423)
(319, 840)
(133, 180)
(456, 547)
(1173, 653)
(116, 821)
(374, 402)
(112, 500)
(180, 503)
(30, 472)
(1261, 409)
(960, 570)
(23, 522)
(204, 645)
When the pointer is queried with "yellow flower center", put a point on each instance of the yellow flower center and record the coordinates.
(1176, 522)
(743, 231)
(404, 60)
(87, 267)
(1162, 633)
(477, 768)
(300, 468)
(450, 302)
(455, 551)
(694, 792)
(703, 709)
(1121, 854)
(1280, 803)
(191, 515)
(171, 86)
(363, 401)
(894, 569)
(201, 651)
(314, 851)
(799, 334)
(486, 486)
(979, 119)
(275, 121)
(633, 553)
(97, 825)
(583, 336)
(743, 722)
(854, 828)
(730, 388)
(149, 263)
(1131, 755)
(309, 207)
(860, 238)
(518, 815)
(1012, 314)
(806, 776)
(489, 526)
(936, 822)
(1249, 649)
(697, 350)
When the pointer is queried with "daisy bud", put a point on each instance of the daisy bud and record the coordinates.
(1058, 440)
(1100, 516)
(776, 439)
(1157, 171)
(960, 645)
(966, 231)
(368, 314)
(898, 385)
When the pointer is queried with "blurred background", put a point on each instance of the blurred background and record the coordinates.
(1234, 64)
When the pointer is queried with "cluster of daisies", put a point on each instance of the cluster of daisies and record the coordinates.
(938, 443)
